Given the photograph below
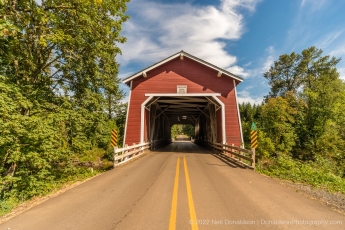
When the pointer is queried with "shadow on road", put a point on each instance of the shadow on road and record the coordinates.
(182, 147)
(227, 160)
(190, 147)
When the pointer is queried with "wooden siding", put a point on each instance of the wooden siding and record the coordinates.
(199, 79)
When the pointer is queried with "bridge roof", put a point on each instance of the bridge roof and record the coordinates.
(184, 54)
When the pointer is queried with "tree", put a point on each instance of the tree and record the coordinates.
(277, 119)
(297, 71)
(57, 66)
(188, 130)
(176, 130)
(120, 120)
(249, 114)
(311, 85)
(285, 75)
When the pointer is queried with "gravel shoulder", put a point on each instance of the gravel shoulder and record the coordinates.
(335, 201)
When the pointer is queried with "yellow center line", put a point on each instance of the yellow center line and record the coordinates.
(190, 198)
(172, 225)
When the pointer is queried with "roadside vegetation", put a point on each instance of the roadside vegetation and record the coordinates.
(187, 130)
(301, 123)
(59, 93)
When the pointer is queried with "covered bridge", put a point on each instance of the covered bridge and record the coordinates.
(183, 89)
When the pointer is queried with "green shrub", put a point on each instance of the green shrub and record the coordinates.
(317, 173)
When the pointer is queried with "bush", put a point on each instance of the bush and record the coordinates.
(318, 173)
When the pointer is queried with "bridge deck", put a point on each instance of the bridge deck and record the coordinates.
(139, 195)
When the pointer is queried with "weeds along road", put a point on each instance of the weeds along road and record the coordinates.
(181, 186)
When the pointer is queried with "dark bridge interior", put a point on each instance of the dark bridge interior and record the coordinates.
(198, 111)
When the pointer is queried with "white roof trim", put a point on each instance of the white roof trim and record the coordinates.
(181, 94)
(185, 55)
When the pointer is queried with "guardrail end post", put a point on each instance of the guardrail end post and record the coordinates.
(115, 148)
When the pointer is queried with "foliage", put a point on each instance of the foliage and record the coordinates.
(277, 120)
(120, 120)
(317, 174)
(187, 130)
(295, 71)
(249, 114)
(176, 130)
(59, 91)
(302, 121)
(266, 148)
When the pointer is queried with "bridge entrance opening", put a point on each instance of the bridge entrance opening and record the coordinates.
(202, 112)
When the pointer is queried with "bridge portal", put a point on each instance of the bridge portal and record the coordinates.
(183, 89)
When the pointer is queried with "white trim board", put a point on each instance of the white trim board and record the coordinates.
(142, 119)
(214, 96)
(129, 101)
(223, 118)
(238, 114)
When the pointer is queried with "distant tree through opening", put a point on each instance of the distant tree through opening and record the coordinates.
(182, 132)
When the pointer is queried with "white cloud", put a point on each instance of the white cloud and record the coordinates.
(338, 51)
(330, 38)
(239, 71)
(244, 96)
(263, 65)
(125, 75)
(269, 59)
(313, 5)
(158, 30)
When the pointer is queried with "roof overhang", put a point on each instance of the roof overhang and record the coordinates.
(182, 55)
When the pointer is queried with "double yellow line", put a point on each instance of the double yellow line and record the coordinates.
(193, 221)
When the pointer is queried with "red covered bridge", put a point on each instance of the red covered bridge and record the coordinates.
(183, 89)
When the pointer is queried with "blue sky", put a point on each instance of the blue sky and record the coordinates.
(244, 37)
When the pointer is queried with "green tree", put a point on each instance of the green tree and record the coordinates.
(285, 75)
(188, 130)
(277, 119)
(176, 130)
(249, 113)
(120, 120)
(58, 73)
(297, 71)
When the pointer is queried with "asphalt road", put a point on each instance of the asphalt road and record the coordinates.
(181, 186)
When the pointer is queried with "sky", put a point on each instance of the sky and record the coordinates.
(244, 37)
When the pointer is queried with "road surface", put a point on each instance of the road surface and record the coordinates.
(181, 186)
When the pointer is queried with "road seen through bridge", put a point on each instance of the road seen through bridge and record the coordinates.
(180, 186)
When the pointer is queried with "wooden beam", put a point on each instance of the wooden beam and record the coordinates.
(203, 112)
(217, 106)
(176, 101)
(162, 111)
(149, 104)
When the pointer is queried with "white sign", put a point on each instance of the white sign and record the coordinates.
(181, 89)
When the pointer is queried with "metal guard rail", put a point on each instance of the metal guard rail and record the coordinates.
(241, 155)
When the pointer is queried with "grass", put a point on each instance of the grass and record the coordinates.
(318, 174)
(7, 205)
